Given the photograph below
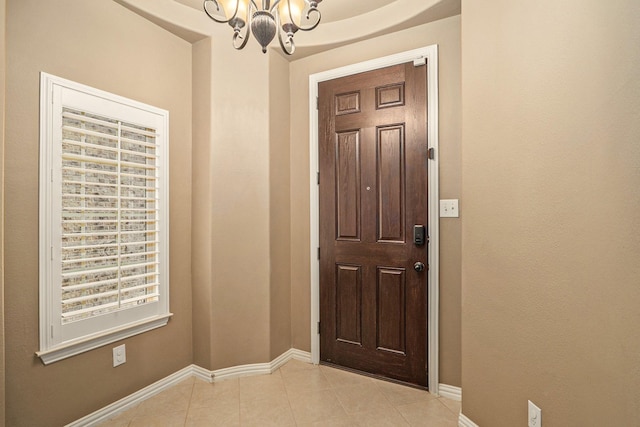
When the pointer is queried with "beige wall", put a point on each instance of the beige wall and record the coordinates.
(101, 44)
(241, 258)
(445, 33)
(550, 247)
(201, 265)
(279, 205)
(240, 206)
(3, 5)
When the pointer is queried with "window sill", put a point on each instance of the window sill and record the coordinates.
(71, 349)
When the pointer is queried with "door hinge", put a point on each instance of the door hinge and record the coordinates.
(318, 328)
(318, 177)
(317, 103)
(318, 253)
(431, 153)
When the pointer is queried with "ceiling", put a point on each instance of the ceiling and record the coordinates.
(332, 10)
(343, 21)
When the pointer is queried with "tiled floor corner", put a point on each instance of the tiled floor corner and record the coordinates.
(298, 394)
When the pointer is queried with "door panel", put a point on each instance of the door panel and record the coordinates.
(348, 185)
(349, 304)
(391, 183)
(373, 190)
(391, 313)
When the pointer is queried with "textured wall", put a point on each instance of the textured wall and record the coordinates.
(3, 5)
(101, 44)
(241, 258)
(279, 205)
(445, 33)
(550, 247)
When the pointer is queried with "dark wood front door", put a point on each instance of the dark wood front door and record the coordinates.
(373, 191)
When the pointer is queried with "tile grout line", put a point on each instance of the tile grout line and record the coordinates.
(186, 416)
(286, 392)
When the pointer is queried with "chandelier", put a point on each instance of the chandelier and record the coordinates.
(280, 17)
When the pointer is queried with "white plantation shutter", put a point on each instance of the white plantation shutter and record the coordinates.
(104, 218)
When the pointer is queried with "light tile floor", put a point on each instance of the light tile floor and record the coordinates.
(298, 394)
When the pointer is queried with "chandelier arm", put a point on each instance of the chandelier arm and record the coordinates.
(312, 11)
(274, 6)
(220, 21)
(288, 50)
(247, 35)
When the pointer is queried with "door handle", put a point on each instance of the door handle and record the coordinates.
(418, 266)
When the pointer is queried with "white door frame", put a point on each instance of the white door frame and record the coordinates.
(430, 54)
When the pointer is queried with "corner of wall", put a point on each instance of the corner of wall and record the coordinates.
(279, 205)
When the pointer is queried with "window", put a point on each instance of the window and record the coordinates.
(103, 218)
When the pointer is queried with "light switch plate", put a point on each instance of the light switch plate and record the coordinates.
(535, 415)
(119, 355)
(449, 208)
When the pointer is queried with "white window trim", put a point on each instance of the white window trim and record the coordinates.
(51, 351)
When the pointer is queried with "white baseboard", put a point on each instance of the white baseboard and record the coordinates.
(134, 399)
(465, 422)
(260, 368)
(450, 392)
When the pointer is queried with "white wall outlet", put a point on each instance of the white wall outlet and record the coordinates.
(119, 355)
(449, 208)
(535, 415)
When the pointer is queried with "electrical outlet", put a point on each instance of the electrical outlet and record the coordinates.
(535, 415)
(119, 355)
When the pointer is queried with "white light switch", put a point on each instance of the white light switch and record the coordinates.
(535, 415)
(119, 355)
(449, 208)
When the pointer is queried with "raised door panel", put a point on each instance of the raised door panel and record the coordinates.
(391, 183)
(349, 304)
(348, 186)
(391, 310)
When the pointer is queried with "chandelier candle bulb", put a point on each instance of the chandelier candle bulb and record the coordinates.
(265, 19)
(235, 8)
(291, 12)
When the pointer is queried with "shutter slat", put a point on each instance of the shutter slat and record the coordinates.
(140, 298)
(79, 247)
(102, 307)
(90, 297)
(130, 175)
(72, 274)
(102, 233)
(139, 131)
(138, 265)
(90, 171)
(98, 258)
(141, 276)
(89, 132)
(89, 145)
(86, 119)
(141, 143)
(88, 285)
(90, 196)
(89, 159)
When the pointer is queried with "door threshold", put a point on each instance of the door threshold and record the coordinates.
(374, 376)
